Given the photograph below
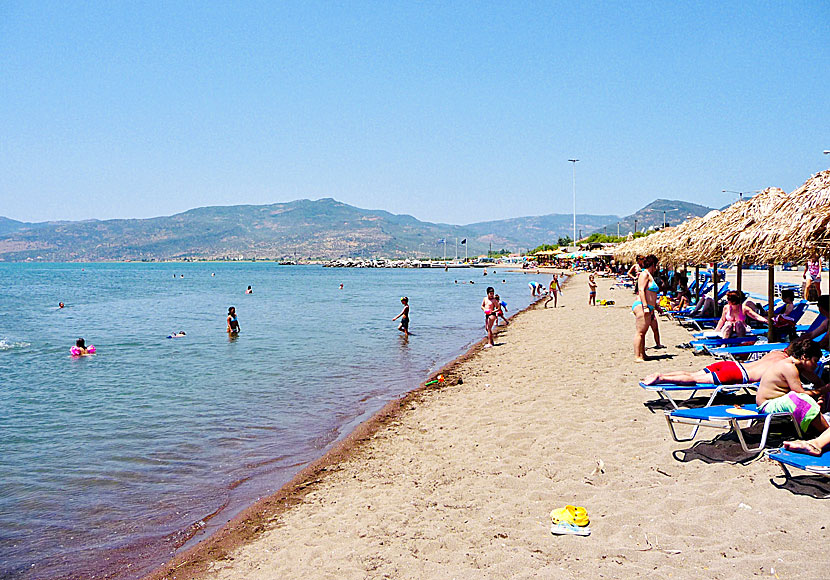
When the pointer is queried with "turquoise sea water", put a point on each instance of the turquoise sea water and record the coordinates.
(109, 462)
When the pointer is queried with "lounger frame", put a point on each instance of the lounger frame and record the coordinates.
(718, 418)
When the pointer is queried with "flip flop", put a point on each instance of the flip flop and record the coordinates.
(570, 514)
(564, 529)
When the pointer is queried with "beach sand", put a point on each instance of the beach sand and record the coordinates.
(459, 481)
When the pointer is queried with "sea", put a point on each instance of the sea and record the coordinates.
(111, 463)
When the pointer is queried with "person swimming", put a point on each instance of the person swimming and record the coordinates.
(249, 290)
(179, 334)
(233, 323)
(60, 304)
(81, 349)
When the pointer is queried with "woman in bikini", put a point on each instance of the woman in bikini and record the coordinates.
(233, 323)
(645, 308)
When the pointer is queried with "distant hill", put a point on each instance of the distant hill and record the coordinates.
(529, 232)
(303, 229)
(676, 212)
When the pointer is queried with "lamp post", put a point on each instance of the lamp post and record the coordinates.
(574, 161)
(635, 226)
(740, 193)
(664, 219)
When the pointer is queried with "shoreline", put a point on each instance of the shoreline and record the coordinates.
(250, 522)
(459, 481)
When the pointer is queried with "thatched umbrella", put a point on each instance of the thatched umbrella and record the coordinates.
(734, 234)
(799, 227)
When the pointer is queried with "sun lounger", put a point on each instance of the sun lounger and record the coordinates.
(732, 352)
(704, 344)
(726, 418)
(665, 390)
(814, 464)
(749, 331)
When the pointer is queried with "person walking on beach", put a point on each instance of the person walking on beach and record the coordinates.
(645, 308)
(233, 323)
(554, 290)
(812, 279)
(592, 291)
(404, 316)
(490, 306)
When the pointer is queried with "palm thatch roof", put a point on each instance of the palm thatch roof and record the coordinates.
(670, 245)
(737, 232)
(799, 223)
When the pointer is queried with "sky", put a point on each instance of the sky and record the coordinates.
(452, 112)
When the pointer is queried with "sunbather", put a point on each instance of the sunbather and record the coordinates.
(812, 446)
(721, 372)
(733, 320)
(781, 388)
(705, 308)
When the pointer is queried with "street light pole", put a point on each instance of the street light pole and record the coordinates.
(574, 161)
(740, 193)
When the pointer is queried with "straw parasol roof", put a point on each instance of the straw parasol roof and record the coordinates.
(735, 233)
(670, 245)
(799, 226)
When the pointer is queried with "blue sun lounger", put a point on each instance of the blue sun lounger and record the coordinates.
(665, 390)
(814, 464)
(726, 418)
(730, 352)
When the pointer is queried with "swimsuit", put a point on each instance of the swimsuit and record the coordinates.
(234, 325)
(638, 303)
(653, 287)
(803, 407)
(727, 372)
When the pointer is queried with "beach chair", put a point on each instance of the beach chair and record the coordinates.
(814, 464)
(733, 352)
(726, 418)
(665, 390)
(704, 344)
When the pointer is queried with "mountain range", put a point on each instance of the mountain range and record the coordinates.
(302, 230)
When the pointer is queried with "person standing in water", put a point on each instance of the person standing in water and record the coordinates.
(233, 323)
(490, 306)
(249, 290)
(404, 316)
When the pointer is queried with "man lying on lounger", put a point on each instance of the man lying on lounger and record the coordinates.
(781, 389)
(725, 372)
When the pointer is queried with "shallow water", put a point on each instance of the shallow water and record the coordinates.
(108, 462)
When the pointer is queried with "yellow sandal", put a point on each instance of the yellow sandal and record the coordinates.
(570, 514)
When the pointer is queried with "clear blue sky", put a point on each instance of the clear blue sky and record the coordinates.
(453, 111)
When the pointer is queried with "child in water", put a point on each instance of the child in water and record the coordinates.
(233, 323)
(81, 349)
(404, 316)
(490, 305)
(500, 312)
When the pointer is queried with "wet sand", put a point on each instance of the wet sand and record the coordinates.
(457, 481)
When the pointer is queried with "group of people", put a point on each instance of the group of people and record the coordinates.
(781, 374)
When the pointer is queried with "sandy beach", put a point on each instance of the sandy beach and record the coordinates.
(458, 481)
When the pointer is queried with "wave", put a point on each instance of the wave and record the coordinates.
(5, 345)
